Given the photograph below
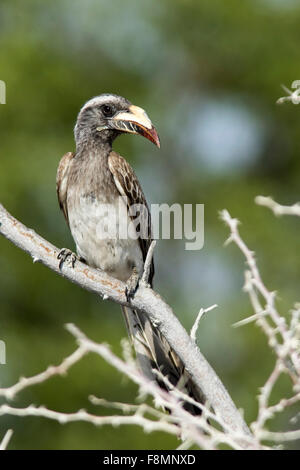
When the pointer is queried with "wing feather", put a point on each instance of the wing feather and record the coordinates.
(62, 182)
(128, 185)
(152, 349)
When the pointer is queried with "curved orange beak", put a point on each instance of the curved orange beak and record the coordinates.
(135, 121)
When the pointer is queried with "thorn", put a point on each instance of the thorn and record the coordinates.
(285, 88)
(228, 241)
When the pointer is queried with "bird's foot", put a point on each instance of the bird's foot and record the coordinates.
(132, 284)
(66, 254)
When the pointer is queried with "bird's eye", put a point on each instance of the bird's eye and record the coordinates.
(107, 110)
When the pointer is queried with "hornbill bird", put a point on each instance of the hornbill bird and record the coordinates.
(93, 177)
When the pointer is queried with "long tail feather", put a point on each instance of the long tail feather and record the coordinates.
(154, 352)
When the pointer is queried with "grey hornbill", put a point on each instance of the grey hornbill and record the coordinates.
(94, 176)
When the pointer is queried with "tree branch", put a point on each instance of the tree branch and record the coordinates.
(196, 430)
(82, 415)
(278, 209)
(5, 441)
(283, 335)
(145, 300)
(10, 392)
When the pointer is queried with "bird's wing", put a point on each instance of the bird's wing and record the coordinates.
(128, 186)
(62, 182)
(152, 349)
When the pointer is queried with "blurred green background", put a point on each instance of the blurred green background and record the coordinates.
(208, 73)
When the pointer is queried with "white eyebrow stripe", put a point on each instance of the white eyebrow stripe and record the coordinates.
(104, 99)
(97, 100)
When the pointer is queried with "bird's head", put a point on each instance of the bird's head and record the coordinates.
(106, 116)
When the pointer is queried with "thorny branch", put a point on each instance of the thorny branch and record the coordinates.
(278, 209)
(292, 96)
(191, 429)
(5, 441)
(210, 429)
(145, 300)
(283, 336)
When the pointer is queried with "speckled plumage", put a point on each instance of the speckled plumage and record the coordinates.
(94, 176)
(91, 184)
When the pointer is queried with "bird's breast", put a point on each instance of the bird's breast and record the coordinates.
(104, 234)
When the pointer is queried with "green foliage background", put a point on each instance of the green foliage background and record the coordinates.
(190, 64)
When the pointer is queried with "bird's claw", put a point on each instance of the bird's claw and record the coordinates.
(131, 285)
(66, 254)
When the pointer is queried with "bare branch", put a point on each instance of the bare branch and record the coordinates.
(250, 319)
(278, 209)
(254, 284)
(128, 407)
(148, 262)
(5, 441)
(292, 96)
(193, 429)
(281, 436)
(145, 300)
(82, 415)
(25, 382)
(197, 321)
(283, 337)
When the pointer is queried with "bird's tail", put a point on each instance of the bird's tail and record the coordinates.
(153, 352)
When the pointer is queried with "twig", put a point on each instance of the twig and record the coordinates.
(82, 415)
(283, 338)
(254, 281)
(264, 412)
(147, 264)
(197, 321)
(286, 346)
(292, 96)
(278, 209)
(129, 408)
(5, 441)
(195, 429)
(252, 318)
(280, 436)
(24, 382)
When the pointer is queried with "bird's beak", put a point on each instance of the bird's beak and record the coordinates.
(135, 121)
